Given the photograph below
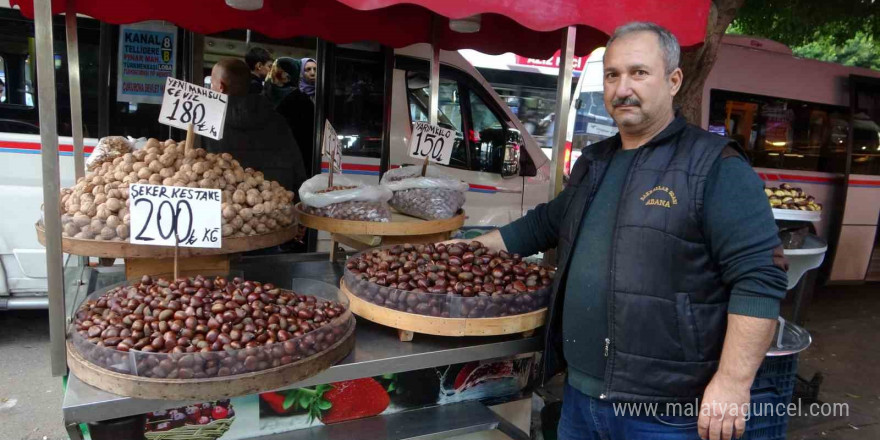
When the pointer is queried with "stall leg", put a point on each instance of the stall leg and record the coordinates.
(335, 251)
(803, 295)
(73, 431)
(405, 335)
(511, 430)
(51, 184)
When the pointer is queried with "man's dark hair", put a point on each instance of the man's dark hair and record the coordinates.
(257, 55)
(235, 74)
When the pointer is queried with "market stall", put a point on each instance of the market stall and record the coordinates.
(470, 370)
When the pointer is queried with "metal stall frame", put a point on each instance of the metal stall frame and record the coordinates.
(563, 102)
(51, 175)
(51, 181)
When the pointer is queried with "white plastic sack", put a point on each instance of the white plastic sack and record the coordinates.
(431, 197)
(363, 202)
(109, 148)
(410, 177)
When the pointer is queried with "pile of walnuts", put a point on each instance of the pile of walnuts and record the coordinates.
(97, 207)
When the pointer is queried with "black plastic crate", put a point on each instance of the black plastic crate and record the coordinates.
(774, 432)
(768, 409)
(772, 389)
(777, 374)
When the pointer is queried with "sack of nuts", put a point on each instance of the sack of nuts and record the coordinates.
(108, 148)
(431, 197)
(347, 199)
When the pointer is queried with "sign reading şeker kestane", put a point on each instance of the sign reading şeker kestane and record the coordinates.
(165, 215)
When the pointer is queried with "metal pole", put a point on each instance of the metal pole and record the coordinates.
(51, 183)
(433, 103)
(563, 102)
(75, 91)
(105, 57)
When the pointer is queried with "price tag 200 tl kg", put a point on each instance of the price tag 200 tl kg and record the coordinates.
(184, 103)
(432, 142)
(162, 215)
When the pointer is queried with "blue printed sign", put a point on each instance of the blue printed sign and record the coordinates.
(147, 53)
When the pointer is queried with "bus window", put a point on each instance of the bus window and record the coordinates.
(866, 131)
(448, 116)
(592, 123)
(782, 133)
(489, 136)
(358, 104)
(2, 80)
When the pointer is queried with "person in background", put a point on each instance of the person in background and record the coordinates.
(299, 112)
(282, 79)
(670, 267)
(259, 61)
(308, 76)
(254, 133)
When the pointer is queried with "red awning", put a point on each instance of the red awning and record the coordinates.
(527, 27)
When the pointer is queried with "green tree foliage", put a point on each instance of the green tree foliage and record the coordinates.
(800, 22)
(861, 51)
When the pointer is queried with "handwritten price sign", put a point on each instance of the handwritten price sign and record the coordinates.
(331, 146)
(165, 215)
(432, 142)
(184, 103)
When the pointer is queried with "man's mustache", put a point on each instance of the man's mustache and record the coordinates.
(630, 100)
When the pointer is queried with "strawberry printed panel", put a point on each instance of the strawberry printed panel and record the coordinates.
(491, 382)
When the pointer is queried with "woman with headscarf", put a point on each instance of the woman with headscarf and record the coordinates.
(298, 109)
(282, 79)
(307, 76)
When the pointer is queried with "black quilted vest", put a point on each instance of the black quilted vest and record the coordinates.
(667, 305)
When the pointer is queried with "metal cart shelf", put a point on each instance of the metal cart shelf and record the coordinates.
(377, 349)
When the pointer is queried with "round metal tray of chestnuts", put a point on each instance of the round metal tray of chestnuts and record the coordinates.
(462, 289)
(206, 338)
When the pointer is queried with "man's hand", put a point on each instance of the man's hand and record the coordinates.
(725, 401)
(491, 240)
(723, 408)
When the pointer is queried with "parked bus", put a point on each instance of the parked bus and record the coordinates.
(810, 123)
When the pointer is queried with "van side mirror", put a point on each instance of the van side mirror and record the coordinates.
(578, 104)
(510, 163)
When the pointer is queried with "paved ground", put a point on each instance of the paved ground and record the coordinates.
(30, 398)
(844, 323)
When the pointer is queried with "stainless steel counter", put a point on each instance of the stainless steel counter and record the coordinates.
(377, 350)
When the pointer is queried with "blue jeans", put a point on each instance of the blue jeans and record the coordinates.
(586, 418)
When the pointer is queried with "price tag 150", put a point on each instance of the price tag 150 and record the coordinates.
(432, 142)
(184, 103)
(161, 215)
(331, 146)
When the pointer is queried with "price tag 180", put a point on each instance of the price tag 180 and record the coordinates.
(432, 142)
(162, 214)
(331, 146)
(184, 103)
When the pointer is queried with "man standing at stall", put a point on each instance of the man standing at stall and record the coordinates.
(254, 133)
(259, 61)
(670, 268)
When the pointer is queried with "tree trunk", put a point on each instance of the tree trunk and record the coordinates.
(697, 64)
